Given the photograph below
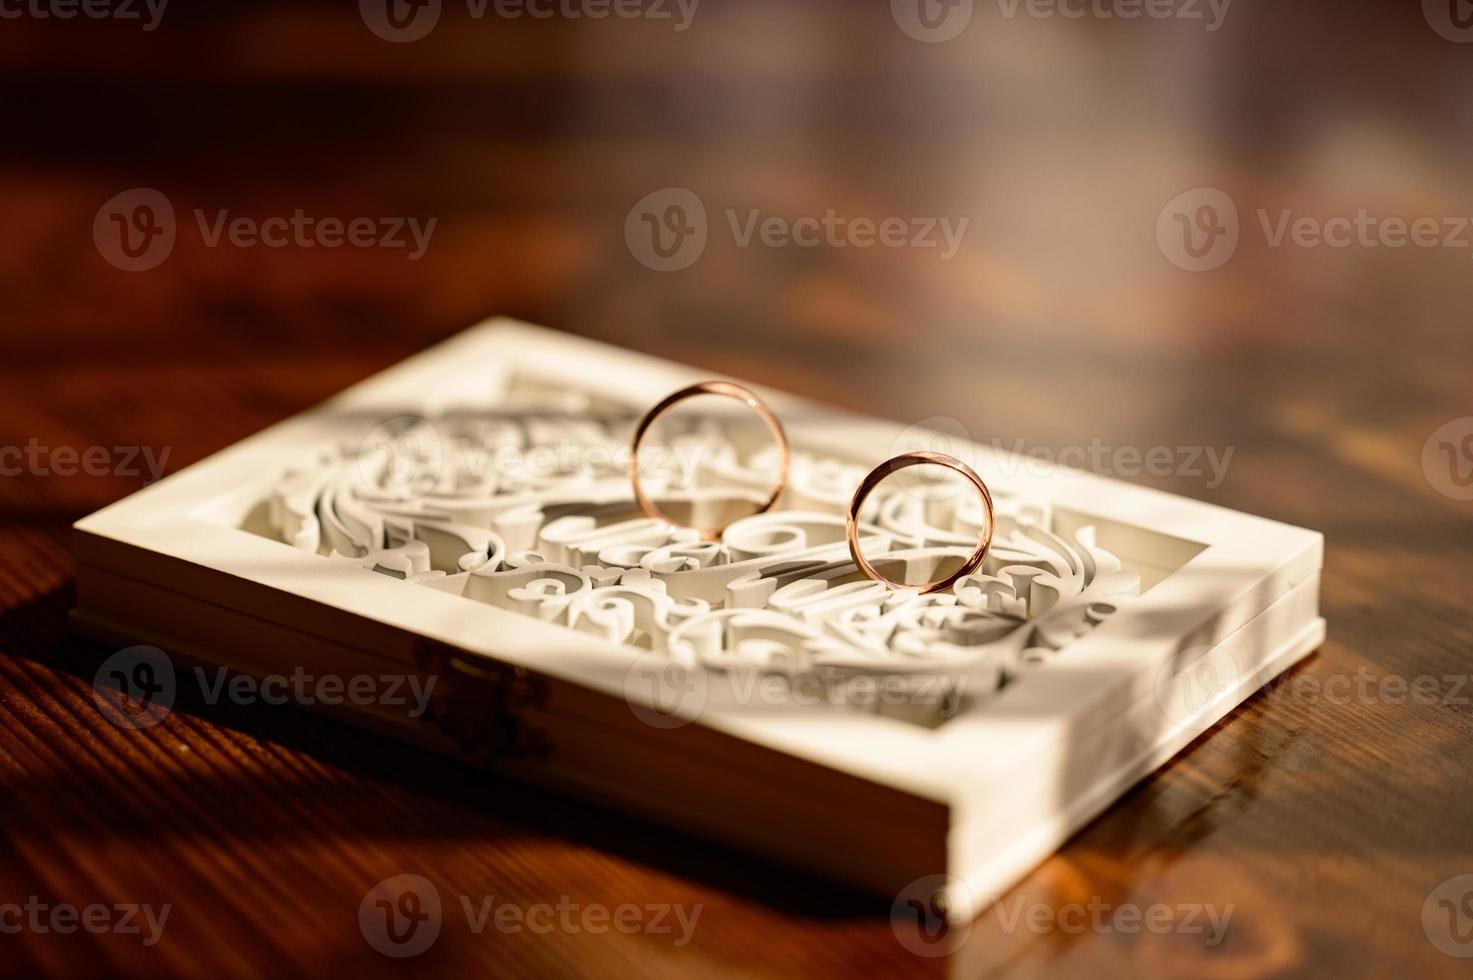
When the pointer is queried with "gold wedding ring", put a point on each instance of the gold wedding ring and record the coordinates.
(895, 465)
(728, 390)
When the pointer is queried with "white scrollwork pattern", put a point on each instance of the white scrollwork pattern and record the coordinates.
(530, 511)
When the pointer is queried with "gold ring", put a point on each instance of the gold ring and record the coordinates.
(851, 527)
(729, 390)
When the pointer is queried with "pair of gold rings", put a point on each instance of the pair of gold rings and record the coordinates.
(866, 486)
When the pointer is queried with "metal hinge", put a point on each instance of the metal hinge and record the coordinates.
(481, 702)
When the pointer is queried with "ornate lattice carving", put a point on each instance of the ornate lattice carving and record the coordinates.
(530, 511)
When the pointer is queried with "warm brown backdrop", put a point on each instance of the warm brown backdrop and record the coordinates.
(1060, 322)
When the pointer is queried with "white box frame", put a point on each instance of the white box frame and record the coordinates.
(982, 798)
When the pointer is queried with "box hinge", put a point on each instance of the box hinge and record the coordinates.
(482, 703)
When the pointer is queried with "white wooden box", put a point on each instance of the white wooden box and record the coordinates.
(879, 738)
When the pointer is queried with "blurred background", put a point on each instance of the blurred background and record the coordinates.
(1134, 224)
(1058, 140)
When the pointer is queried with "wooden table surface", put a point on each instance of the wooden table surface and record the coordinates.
(1324, 815)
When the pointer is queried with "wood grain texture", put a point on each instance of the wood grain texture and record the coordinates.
(1324, 823)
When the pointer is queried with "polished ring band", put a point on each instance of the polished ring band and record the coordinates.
(879, 473)
(728, 390)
